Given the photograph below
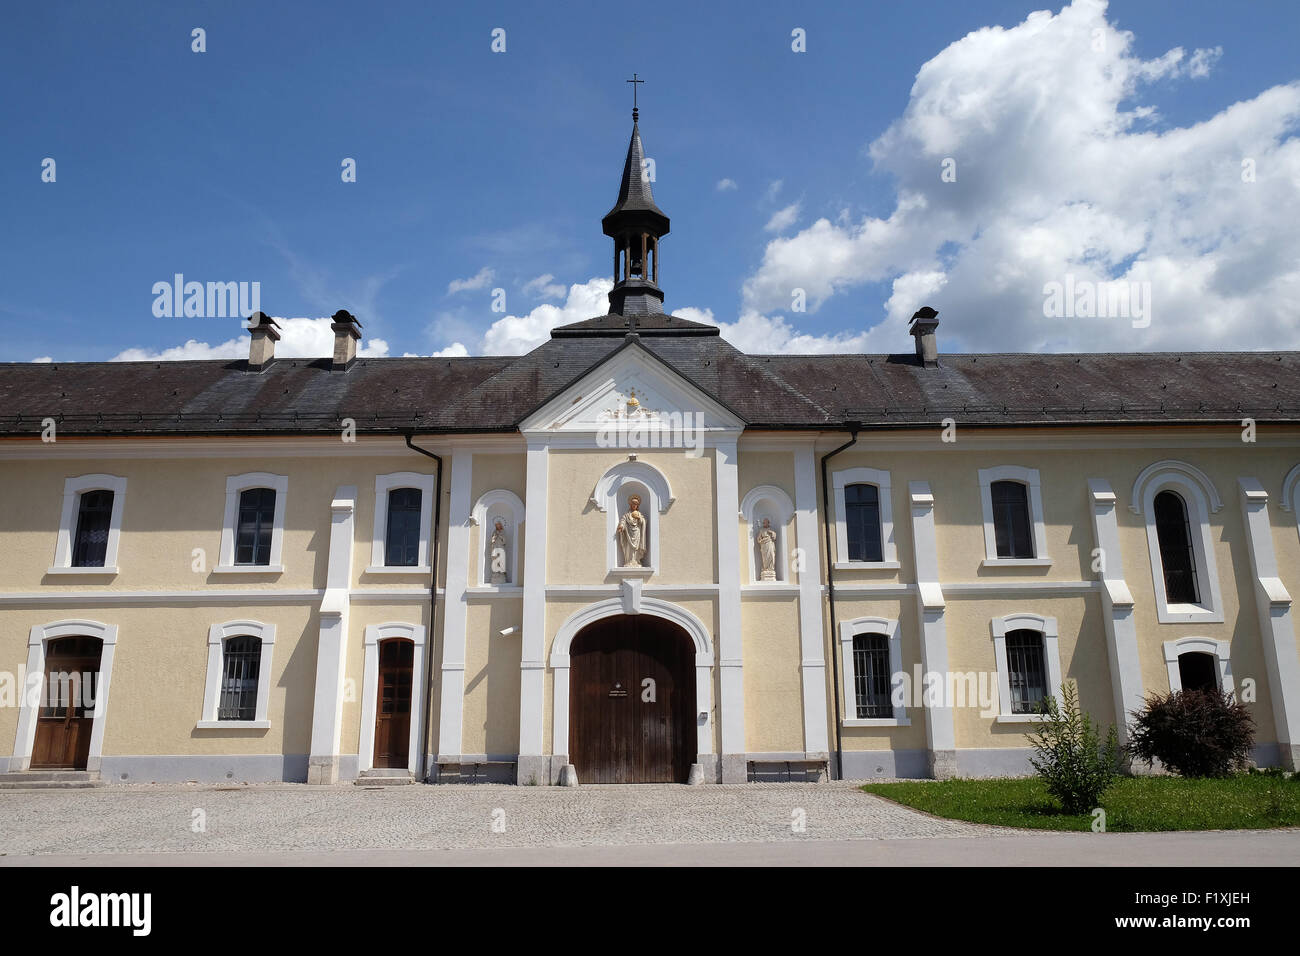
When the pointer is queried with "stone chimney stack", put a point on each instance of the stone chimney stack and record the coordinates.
(924, 323)
(347, 332)
(261, 347)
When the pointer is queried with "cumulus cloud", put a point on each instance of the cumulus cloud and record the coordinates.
(479, 280)
(544, 287)
(783, 219)
(516, 334)
(1059, 169)
(299, 338)
(726, 185)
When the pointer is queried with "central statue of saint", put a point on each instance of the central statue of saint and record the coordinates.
(632, 535)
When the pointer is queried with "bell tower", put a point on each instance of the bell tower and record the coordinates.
(636, 225)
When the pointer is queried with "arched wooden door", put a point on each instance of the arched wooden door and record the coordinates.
(66, 716)
(632, 701)
(393, 715)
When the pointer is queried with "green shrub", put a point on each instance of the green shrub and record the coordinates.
(1069, 754)
(1195, 733)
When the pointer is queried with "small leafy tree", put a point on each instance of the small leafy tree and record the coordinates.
(1195, 733)
(1069, 754)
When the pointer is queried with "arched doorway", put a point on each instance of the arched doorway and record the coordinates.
(65, 718)
(632, 701)
(393, 713)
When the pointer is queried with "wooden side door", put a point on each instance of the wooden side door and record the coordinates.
(66, 716)
(393, 713)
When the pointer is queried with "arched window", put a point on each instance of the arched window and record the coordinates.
(402, 536)
(1198, 671)
(1177, 559)
(1012, 525)
(240, 667)
(862, 518)
(1026, 671)
(871, 676)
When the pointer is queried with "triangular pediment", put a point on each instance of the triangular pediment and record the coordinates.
(631, 390)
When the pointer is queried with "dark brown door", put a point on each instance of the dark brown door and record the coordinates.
(393, 717)
(632, 701)
(67, 705)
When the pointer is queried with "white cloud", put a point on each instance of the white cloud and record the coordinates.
(455, 350)
(44, 359)
(1061, 169)
(773, 188)
(783, 219)
(299, 338)
(479, 280)
(725, 185)
(544, 287)
(516, 334)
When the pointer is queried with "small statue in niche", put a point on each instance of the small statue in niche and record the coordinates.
(497, 553)
(632, 535)
(767, 551)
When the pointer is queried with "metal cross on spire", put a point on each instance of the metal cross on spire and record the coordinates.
(634, 81)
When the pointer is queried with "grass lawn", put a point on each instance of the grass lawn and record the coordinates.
(1246, 801)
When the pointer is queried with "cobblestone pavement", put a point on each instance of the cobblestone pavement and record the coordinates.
(153, 819)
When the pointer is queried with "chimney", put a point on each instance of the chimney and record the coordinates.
(347, 331)
(261, 348)
(924, 323)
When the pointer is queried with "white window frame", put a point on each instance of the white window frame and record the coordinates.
(1290, 500)
(73, 489)
(1219, 650)
(378, 544)
(236, 485)
(1202, 499)
(218, 634)
(871, 625)
(609, 496)
(498, 503)
(1045, 626)
(888, 551)
(768, 501)
(375, 634)
(1030, 479)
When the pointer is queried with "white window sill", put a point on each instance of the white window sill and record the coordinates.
(877, 722)
(104, 571)
(405, 569)
(632, 572)
(495, 589)
(233, 725)
(1016, 563)
(1187, 614)
(1020, 718)
(248, 569)
(866, 565)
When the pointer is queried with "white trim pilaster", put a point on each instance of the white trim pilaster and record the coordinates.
(451, 714)
(811, 629)
(940, 735)
(331, 654)
(1117, 607)
(532, 656)
(731, 704)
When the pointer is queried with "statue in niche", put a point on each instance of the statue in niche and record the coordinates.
(497, 553)
(766, 538)
(632, 535)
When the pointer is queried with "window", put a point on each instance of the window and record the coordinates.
(252, 532)
(1011, 525)
(241, 660)
(862, 515)
(1027, 651)
(1177, 560)
(237, 693)
(1199, 663)
(94, 519)
(864, 522)
(871, 676)
(1197, 671)
(90, 525)
(256, 525)
(1026, 671)
(402, 538)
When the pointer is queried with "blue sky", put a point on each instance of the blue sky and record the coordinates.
(225, 166)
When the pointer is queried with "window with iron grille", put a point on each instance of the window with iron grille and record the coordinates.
(862, 521)
(1177, 560)
(94, 516)
(256, 525)
(402, 538)
(241, 659)
(1026, 671)
(1012, 525)
(871, 682)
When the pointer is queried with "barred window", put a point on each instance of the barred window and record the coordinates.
(1177, 560)
(871, 682)
(862, 518)
(241, 660)
(402, 538)
(94, 516)
(1012, 526)
(255, 527)
(1026, 671)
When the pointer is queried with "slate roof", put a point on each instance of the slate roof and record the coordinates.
(493, 394)
(634, 192)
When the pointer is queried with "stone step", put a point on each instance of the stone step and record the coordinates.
(49, 780)
(385, 777)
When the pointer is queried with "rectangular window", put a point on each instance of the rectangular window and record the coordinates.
(1026, 671)
(402, 536)
(871, 682)
(256, 523)
(862, 519)
(241, 660)
(94, 516)
(1012, 526)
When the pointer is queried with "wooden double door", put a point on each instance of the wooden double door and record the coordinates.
(393, 713)
(632, 701)
(66, 714)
